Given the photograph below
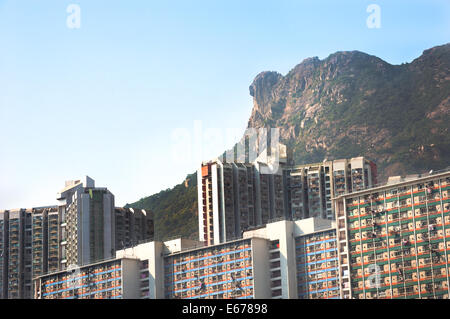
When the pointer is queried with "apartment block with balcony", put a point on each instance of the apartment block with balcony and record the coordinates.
(317, 265)
(134, 273)
(208, 178)
(102, 280)
(16, 254)
(341, 178)
(54, 232)
(25, 245)
(45, 240)
(295, 194)
(310, 188)
(262, 187)
(82, 228)
(316, 198)
(265, 263)
(15, 263)
(38, 242)
(3, 254)
(393, 240)
(132, 226)
(243, 193)
(363, 174)
(292, 271)
(234, 197)
(223, 271)
(88, 218)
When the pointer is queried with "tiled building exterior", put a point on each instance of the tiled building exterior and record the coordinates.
(221, 272)
(263, 264)
(102, 280)
(394, 240)
(317, 265)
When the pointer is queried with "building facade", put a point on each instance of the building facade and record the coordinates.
(235, 197)
(83, 228)
(92, 228)
(394, 240)
(45, 240)
(134, 273)
(132, 226)
(87, 215)
(16, 250)
(317, 265)
(103, 280)
(309, 188)
(221, 271)
(269, 262)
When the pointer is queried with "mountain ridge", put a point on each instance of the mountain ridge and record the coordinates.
(348, 104)
(323, 106)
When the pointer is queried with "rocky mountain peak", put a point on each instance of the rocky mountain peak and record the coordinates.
(352, 103)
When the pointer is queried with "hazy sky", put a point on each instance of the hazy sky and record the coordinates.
(109, 99)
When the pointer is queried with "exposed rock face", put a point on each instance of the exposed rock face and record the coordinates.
(353, 104)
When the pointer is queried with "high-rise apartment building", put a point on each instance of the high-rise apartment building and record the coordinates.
(83, 228)
(353, 175)
(16, 253)
(29, 246)
(235, 197)
(45, 240)
(132, 226)
(87, 227)
(92, 229)
(3, 259)
(394, 239)
(309, 188)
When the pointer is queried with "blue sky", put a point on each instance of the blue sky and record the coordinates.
(104, 100)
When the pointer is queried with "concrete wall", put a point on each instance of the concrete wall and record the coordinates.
(130, 278)
(283, 232)
(261, 268)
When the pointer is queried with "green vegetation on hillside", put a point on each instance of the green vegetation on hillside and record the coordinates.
(174, 210)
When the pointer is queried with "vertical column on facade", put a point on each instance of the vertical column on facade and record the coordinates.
(374, 236)
(362, 250)
(386, 220)
(402, 248)
(429, 243)
(413, 208)
(313, 245)
(445, 235)
(303, 241)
